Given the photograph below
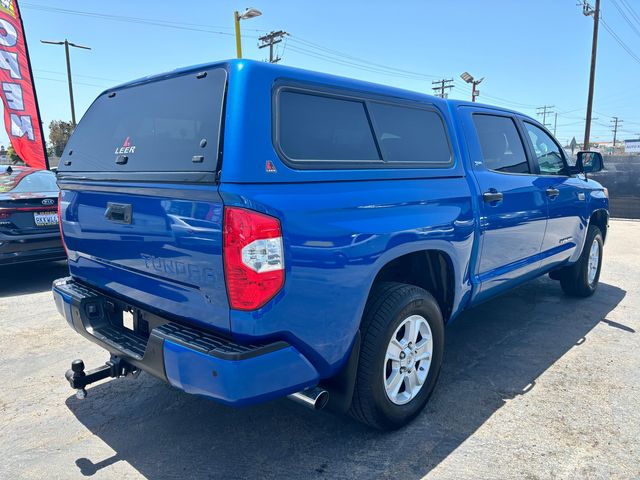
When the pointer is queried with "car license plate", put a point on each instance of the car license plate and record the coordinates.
(45, 219)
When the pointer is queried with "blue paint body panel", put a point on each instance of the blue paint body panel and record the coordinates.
(340, 228)
(241, 382)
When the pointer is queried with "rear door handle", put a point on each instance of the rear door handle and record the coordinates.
(492, 196)
(118, 212)
(552, 192)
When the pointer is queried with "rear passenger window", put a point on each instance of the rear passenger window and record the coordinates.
(315, 127)
(502, 147)
(410, 135)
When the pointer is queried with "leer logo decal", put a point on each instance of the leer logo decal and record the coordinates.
(269, 167)
(126, 147)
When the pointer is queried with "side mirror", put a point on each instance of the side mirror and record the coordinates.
(589, 162)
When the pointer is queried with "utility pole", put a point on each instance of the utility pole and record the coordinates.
(588, 11)
(68, 44)
(616, 122)
(440, 87)
(544, 111)
(269, 40)
(555, 123)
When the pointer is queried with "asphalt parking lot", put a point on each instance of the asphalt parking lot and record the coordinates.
(534, 385)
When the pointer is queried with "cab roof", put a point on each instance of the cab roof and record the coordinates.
(247, 67)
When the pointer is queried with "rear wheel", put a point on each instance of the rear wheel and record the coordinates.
(581, 279)
(400, 356)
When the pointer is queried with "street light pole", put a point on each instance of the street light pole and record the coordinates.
(236, 18)
(68, 44)
(474, 84)
(247, 14)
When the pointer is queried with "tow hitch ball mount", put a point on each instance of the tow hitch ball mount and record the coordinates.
(116, 367)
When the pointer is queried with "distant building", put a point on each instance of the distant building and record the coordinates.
(632, 146)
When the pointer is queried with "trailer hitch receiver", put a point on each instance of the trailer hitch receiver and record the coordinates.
(116, 367)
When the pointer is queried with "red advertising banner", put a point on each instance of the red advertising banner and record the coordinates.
(21, 115)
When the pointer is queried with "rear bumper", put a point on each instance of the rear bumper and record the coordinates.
(194, 360)
(30, 248)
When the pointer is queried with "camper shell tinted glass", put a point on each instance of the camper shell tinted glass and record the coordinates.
(324, 130)
(410, 135)
(167, 125)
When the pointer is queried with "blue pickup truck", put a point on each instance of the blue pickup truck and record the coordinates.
(247, 231)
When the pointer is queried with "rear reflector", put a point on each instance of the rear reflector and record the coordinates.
(253, 258)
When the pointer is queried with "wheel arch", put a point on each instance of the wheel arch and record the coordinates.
(600, 218)
(431, 269)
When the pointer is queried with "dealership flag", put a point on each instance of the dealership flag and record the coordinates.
(21, 114)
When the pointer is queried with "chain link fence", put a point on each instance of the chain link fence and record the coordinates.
(622, 177)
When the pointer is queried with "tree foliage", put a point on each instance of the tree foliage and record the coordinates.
(59, 133)
(13, 156)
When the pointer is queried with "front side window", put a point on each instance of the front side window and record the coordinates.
(547, 152)
(502, 148)
(321, 128)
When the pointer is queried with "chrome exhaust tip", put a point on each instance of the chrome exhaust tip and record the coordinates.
(314, 398)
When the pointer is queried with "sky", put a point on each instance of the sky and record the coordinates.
(531, 53)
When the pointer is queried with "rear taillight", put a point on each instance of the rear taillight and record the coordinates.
(60, 222)
(253, 257)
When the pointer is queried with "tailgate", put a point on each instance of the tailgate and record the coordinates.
(156, 246)
(140, 209)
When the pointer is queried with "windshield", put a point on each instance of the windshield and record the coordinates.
(25, 182)
(166, 125)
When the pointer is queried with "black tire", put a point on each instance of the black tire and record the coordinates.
(575, 279)
(389, 305)
(556, 274)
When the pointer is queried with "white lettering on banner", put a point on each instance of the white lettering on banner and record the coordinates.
(8, 34)
(21, 125)
(13, 93)
(9, 61)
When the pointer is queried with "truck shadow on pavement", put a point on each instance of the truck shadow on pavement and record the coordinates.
(27, 278)
(494, 353)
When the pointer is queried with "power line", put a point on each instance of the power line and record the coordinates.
(347, 63)
(78, 75)
(337, 53)
(632, 12)
(619, 40)
(626, 17)
(64, 81)
(137, 20)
